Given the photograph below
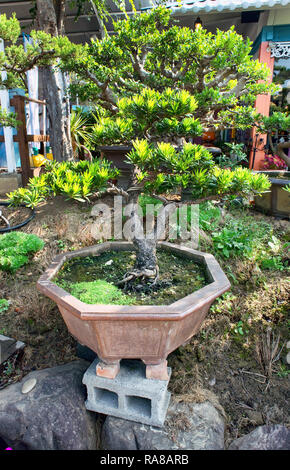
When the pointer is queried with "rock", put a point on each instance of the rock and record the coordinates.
(212, 382)
(274, 437)
(108, 263)
(189, 426)
(52, 416)
(28, 385)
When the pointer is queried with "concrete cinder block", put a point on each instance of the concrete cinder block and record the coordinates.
(130, 395)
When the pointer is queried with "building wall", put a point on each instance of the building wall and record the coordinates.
(279, 17)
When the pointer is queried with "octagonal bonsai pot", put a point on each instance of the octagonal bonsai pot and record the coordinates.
(143, 332)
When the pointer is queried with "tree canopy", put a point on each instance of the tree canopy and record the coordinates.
(150, 51)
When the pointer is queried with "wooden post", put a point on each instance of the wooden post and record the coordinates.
(8, 131)
(18, 103)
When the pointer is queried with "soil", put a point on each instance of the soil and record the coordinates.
(14, 215)
(219, 364)
(178, 277)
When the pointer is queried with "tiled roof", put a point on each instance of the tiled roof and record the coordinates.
(207, 6)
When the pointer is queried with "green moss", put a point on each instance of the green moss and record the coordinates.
(15, 248)
(99, 292)
(178, 276)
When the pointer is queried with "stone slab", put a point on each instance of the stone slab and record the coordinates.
(51, 415)
(188, 426)
(9, 346)
(130, 395)
(268, 437)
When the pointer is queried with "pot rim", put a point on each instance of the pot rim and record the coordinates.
(175, 311)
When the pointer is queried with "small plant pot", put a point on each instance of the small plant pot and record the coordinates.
(117, 155)
(277, 201)
(143, 332)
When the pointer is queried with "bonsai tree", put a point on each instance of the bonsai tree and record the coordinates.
(161, 85)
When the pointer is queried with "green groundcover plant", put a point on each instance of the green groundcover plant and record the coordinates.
(15, 248)
(4, 305)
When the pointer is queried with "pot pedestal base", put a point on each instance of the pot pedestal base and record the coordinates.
(109, 371)
(157, 371)
(130, 395)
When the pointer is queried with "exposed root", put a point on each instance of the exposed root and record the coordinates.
(142, 274)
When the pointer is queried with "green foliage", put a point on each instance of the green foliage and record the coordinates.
(145, 200)
(152, 115)
(235, 157)
(99, 292)
(4, 305)
(164, 168)
(15, 248)
(80, 131)
(240, 237)
(209, 216)
(75, 180)
(31, 196)
(147, 51)
(8, 119)
(271, 263)
(283, 371)
(276, 122)
(287, 188)
(10, 28)
(241, 328)
(270, 256)
(16, 60)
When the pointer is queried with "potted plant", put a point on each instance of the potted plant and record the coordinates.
(202, 80)
(275, 166)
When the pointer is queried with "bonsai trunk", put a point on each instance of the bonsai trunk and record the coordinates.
(146, 260)
(280, 150)
(282, 154)
(54, 89)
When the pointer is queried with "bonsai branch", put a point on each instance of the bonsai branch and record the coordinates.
(113, 190)
(282, 154)
(33, 61)
(279, 149)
